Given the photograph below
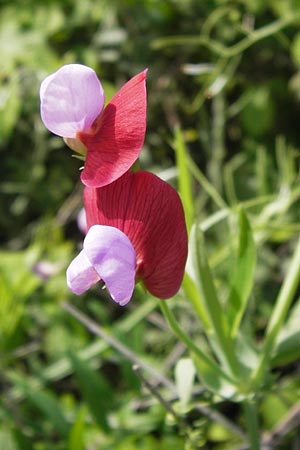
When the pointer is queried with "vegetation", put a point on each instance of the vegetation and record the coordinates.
(217, 366)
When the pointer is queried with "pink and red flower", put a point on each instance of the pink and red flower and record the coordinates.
(72, 106)
(136, 231)
(134, 221)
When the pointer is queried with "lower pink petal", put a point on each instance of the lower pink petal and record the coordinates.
(81, 274)
(113, 257)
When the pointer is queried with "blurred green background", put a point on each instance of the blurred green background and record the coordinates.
(225, 73)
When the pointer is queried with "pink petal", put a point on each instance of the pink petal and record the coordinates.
(71, 99)
(119, 138)
(81, 221)
(113, 257)
(81, 274)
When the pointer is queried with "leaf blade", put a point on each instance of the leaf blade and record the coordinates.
(243, 274)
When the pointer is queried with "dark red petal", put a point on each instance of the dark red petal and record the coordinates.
(150, 213)
(120, 134)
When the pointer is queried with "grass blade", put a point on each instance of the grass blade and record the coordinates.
(243, 274)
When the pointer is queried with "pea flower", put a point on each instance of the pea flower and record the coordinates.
(111, 137)
(81, 221)
(136, 232)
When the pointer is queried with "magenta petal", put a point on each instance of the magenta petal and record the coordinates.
(119, 136)
(81, 274)
(71, 99)
(111, 253)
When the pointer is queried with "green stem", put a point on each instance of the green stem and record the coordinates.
(236, 49)
(251, 418)
(205, 183)
(175, 327)
(279, 313)
(217, 137)
(258, 35)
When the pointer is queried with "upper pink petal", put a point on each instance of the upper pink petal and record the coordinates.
(71, 99)
(119, 137)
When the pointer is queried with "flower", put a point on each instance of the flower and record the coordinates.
(72, 106)
(136, 228)
(81, 221)
(45, 269)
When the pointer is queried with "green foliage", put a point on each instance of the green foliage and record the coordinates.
(242, 276)
(184, 178)
(17, 284)
(287, 347)
(95, 390)
(223, 113)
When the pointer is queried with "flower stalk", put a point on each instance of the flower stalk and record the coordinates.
(251, 418)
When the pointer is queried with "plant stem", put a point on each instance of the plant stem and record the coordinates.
(251, 417)
(217, 137)
(227, 52)
(279, 313)
(97, 330)
(206, 184)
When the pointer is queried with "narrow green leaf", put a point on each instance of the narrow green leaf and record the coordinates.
(184, 177)
(287, 349)
(243, 274)
(94, 388)
(76, 440)
(287, 172)
(246, 352)
(220, 339)
(278, 315)
(192, 294)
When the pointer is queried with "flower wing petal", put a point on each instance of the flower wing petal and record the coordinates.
(81, 274)
(113, 257)
(71, 99)
(120, 134)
